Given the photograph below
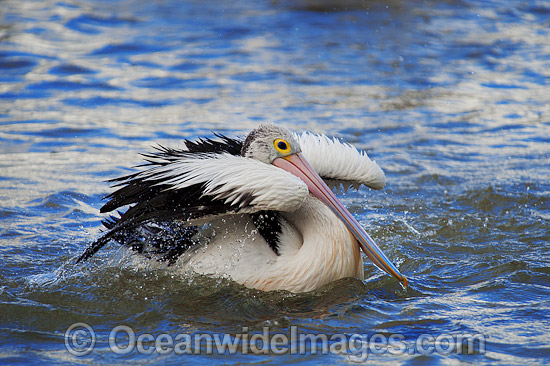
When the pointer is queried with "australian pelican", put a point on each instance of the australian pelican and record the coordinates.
(256, 210)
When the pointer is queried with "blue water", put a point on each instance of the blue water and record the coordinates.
(451, 98)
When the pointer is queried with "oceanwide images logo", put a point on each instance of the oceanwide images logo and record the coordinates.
(80, 340)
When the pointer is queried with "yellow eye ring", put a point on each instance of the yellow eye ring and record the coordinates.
(282, 146)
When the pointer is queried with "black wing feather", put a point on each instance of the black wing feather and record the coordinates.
(136, 190)
(151, 201)
(269, 226)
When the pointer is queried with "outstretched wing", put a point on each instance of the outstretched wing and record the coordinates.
(342, 162)
(194, 183)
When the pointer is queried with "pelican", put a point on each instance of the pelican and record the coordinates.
(257, 211)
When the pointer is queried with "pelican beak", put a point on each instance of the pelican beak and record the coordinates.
(298, 165)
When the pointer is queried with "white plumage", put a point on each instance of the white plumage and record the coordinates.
(272, 223)
(333, 159)
(311, 256)
(231, 178)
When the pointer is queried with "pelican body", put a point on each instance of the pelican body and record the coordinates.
(257, 211)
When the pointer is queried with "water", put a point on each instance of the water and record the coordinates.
(451, 98)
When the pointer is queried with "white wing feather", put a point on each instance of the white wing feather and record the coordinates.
(334, 159)
(242, 182)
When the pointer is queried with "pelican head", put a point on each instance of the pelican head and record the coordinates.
(269, 142)
(278, 146)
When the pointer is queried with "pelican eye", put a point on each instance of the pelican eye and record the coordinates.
(282, 146)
